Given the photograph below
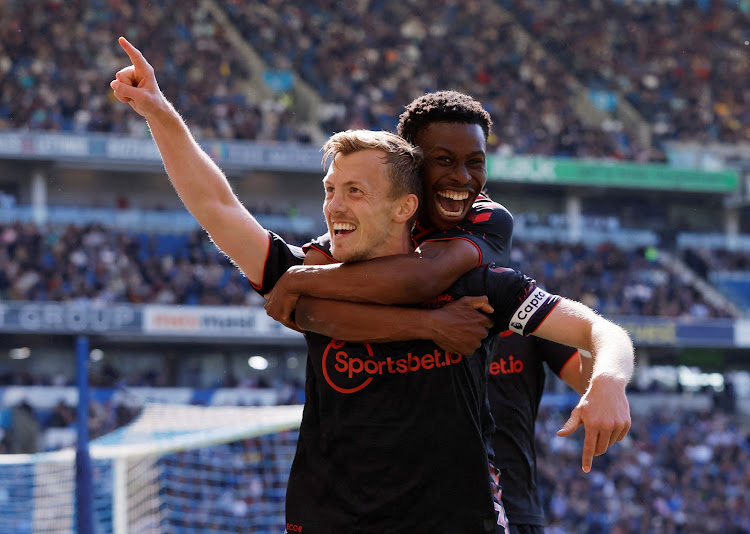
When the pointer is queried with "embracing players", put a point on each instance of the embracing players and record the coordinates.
(423, 457)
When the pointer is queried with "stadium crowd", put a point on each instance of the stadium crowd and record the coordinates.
(57, 59)
(94, 263)
(366, 68)
(675, 62)
(678, 472)
(612, 280)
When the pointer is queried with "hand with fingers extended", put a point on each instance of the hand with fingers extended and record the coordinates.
(460, 326)
(136, 85)
(604, 412)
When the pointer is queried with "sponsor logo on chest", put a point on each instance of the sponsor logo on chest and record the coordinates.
(351, 367)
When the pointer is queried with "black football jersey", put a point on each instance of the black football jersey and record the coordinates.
(391, 437)
(516, 384)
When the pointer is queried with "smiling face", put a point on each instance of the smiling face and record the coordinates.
(455, 171)
(363, 217)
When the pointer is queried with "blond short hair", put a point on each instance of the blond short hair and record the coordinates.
(403, 160)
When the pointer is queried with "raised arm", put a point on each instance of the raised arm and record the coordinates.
(198, 181)
(400, 279)
(603, 409)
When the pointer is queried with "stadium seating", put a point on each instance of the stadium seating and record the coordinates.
(65, 87)
(365, 76)
(108, 265)
(677, 62)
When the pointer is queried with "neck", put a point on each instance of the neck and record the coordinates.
(401, 244)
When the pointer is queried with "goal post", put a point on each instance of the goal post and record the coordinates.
(175, 468)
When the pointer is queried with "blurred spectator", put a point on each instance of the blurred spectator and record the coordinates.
(24, 434)
(62, 416)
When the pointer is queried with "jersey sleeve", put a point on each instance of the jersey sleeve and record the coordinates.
(555, 354)
(322, 244)
(488, 226)
(281, 256)
(519, 304)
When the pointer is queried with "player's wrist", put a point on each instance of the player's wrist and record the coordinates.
(608, 381)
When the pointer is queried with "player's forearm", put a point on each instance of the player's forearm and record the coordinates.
(399, 279)
(199, 182)
(362, 323)
(575, 325)
(612, 352)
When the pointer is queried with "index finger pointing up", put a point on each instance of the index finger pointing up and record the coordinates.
(133, 53)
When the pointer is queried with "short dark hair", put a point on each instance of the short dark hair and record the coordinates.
(442, 106)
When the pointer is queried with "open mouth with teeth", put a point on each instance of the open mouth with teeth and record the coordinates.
(343, 228)
(451, 203)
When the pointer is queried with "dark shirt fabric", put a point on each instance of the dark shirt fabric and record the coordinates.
(516, 384)
(391, 437)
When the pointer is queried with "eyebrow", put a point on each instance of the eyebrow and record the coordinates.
(355, 182)
(451, 152)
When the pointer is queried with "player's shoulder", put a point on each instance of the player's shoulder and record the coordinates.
(322, 244)
(488, 217)
(485, 209)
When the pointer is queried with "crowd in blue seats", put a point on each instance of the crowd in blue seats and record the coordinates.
(92, 263)
(369, 60)
(678, 63)
(612, 280)
(57, 59)
(98, 264)
(677, 472)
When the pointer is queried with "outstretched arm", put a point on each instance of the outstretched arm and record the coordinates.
(198, 181)
(603, 409)
(400, 279)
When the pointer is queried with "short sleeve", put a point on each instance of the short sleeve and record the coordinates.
(281, 256)
(322, 244)
(519, 304)
(555, 354)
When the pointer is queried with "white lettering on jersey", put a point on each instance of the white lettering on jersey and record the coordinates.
(527, 309)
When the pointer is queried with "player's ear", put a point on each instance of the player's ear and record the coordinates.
(406, 208)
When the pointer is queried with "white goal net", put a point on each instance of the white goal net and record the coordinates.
(174, 469)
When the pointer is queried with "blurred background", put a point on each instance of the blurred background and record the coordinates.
(621, 145)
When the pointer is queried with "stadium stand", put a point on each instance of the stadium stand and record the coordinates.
(676, 62)
(60, 85)
(679, 471)
(365, 77)
(98, 264)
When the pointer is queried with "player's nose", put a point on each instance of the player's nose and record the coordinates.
(462, 174)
